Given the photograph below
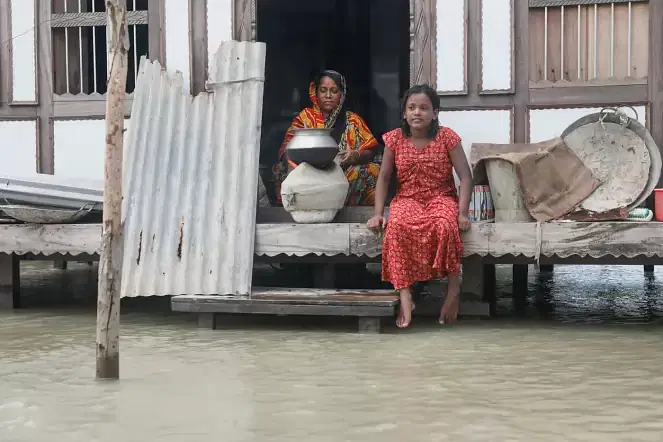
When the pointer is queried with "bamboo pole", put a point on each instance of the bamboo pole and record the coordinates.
(110, 263)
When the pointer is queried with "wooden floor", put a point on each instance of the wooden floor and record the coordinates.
(368, 306)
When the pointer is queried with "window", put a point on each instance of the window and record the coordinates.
(79, 45)
(588, 40)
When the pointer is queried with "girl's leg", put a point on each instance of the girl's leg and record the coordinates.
(405, 312)
(449, 311)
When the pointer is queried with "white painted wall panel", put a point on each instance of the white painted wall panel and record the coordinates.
(451, 42)
(219, 26)
(18, 147)
(177, 39)
(496, 45)
(545, 124)
(80, 147)
(24, 68)
(478, 126)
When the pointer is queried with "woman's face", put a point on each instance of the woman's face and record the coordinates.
(419, 111)
(329, 95)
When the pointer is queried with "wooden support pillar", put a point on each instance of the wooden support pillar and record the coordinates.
(370, 324)
(546, 268)
(207, 321)
(519, 294)
(324, 276)
(110, 261)
(10, 285)
(649, 270)
(60, 265)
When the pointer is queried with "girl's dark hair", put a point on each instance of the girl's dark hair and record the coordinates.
(431, 93)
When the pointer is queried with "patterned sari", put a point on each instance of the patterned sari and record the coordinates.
(353, 134)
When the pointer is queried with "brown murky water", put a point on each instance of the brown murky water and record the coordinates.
(592, 370)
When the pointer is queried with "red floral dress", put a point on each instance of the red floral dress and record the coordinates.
(422, 240)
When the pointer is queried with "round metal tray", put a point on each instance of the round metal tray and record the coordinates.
(621, 153)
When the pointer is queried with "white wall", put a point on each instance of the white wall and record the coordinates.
(451, 42)
(80, 147)
(496, 45)
(18, 148)
(219, 25)
(178, 44)
(24, 68)
(545, 124)
(478, 126)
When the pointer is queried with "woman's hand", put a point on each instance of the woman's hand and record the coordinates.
(349, 158)
(463, 223)
(377, 223)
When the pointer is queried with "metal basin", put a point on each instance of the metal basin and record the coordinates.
(313, 146)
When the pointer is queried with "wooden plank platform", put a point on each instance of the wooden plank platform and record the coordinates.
(564, 239)
(369, 306)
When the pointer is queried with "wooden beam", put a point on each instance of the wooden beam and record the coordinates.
(45, 136)
(155, 26)
(89, 19)
(589, 95)
(655, 78)
(628, 238)
(85, 106)
(198, 44)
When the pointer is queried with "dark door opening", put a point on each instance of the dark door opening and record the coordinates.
(365, 40)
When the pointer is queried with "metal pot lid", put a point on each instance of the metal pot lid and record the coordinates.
(621, 154)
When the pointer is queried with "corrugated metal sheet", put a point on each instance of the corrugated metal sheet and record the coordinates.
(191, 173)
(52, 190)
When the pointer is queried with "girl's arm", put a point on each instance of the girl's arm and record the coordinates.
(462, 168)
(382, 186)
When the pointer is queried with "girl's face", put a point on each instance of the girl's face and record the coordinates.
(419, 112)
(329, 95)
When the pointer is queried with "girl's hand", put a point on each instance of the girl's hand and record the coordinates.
(377, 223)
(464, 223)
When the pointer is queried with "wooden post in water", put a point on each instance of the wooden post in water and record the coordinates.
(110, 263)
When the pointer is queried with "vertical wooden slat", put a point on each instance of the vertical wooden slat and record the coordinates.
(5, 50)
(655, 79)
(474, 48)
(198, 41)
(155, 25)
(45, 148)
(521, 49)
(244, 23)
(422, 69)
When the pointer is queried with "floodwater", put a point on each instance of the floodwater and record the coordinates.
(586, 364)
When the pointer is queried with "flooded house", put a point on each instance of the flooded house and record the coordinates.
(507, 71)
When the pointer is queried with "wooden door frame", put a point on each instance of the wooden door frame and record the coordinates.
(422, 35)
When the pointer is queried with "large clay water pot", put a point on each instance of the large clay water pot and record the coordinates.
(313, 146)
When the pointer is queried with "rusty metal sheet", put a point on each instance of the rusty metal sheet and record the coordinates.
(191, 173)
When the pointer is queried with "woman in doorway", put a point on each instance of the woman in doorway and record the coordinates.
(356, 143)
(422, 238)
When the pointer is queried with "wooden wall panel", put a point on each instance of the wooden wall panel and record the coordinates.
(244, 20)
(422, 35)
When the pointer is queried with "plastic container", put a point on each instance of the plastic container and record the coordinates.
(658, 204)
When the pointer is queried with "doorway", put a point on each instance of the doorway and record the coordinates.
(365, 40)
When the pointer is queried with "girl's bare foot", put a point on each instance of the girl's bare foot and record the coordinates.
(405, 311)
(449, 312)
